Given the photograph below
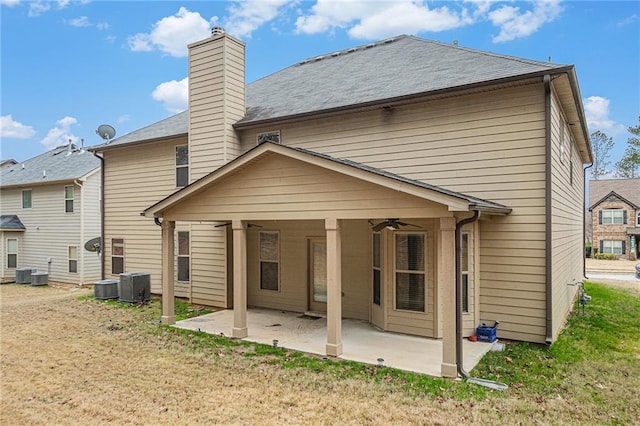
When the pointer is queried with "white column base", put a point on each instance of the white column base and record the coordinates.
(168, 319)
(239, 333)
(333, 350)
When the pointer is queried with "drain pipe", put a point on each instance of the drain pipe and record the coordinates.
(459, 356)
(458, 251)
(584, 221)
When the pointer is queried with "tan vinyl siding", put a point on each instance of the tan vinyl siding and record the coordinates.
(216, 102)
(90, 262)
(50, 231)
(208, 265)
(490, 145)
(567, 219)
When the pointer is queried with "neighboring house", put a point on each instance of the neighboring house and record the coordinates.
(337, 185)
(50, 207)
(615, 216)
(7, 163)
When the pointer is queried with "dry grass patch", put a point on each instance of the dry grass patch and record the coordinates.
(70, 360)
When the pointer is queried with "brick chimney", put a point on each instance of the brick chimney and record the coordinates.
(216, 101)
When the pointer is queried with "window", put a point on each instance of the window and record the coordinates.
(638, 220)
(73, 259)
(68, 199)
(615, 247)
(269, 260)
(183, 256)
(26, 199)
(563, 143)
(613, 217)
(410, 272)
(465, 272)
(269, 137)
(117, 256)
(12, 253)
(376, 269)
(182, 165)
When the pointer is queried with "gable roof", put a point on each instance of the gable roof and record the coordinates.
(59, 164)
(455, 200)
(391, 69)
(610, 195)
(11, 222)
(626, 189)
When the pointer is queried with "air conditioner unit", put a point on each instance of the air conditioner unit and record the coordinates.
(39, 278)
(23, 275)
(105, 289)
(134, 287)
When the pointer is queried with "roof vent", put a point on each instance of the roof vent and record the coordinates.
(215, 31)
(455, 42)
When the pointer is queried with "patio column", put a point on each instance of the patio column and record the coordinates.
(168, 258)
(447, 291)
(334, 288)
(239, 279)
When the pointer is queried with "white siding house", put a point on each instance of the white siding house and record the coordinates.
(50, 206)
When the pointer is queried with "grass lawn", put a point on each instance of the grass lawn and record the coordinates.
(156, 374)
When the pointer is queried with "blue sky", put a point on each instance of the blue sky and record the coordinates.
(69, 66)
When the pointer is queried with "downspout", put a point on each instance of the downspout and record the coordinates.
(102, 242)
(547, 208)
(80, 253)
(458, 251)
(584, 220)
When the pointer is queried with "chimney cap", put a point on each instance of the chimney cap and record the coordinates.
(217, 31)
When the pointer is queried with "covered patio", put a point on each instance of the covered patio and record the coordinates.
(362, 342)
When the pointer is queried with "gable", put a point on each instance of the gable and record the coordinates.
(278, 187)
(613, 197)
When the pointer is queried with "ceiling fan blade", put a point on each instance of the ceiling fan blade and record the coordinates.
(222, 224)
(379, 227)
(408, 224)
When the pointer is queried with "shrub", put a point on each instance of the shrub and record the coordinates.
(606, 256)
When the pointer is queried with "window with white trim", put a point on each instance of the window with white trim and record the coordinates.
(73, 259)
(117, 256)
(410, 272)
(377, 268)
(184, 256)
(269, 137)
(269, 260)
(182, 166)
(68, 199)
(613, 246)
(638, 219)
(612, 217)
(465, 271)
(26, 198)
(12, 253)
(563, 143)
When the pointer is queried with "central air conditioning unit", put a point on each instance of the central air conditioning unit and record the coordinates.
(23, 275)
(134, 287)
(105, 289)
(39, 278)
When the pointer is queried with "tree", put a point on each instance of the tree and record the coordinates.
(629, 165)
(601, 145)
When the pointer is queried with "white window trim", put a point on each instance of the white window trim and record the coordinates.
(69, 259)
(73, 190)
(123, 256)
(9, 253)
(609, 214)
(260, 260)
(30, 199)
(396, 270)
(376, 268)
(466, 272)
(269, 133)
(178, 255)
(613, 246)
(638, 219)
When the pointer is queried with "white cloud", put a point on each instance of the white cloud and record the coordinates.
(174, 94)
(247, 16)
(123, 118)
(629, 20)
(63, 3)
(103, 26)
(515, 23)
(9, 128)
(172, 34)
(61, 134)
(9, 3)
(82, 21)
(37, 8)
(378, 19)
(596, 109)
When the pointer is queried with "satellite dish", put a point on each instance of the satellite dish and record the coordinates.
(106, 132)
(94, 245)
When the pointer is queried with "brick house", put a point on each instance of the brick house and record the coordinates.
(615, 216)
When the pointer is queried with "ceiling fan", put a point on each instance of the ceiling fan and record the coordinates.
(249, 225)
(391, 223)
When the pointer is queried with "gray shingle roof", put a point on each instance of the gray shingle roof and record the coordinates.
(394, 68)
(11, 222)
(626, 188)
(52, 166)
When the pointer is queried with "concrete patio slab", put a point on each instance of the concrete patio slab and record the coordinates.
(362, 342)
